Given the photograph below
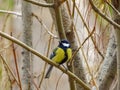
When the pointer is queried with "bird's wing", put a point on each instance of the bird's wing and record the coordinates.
(53, 53)
(69, 53)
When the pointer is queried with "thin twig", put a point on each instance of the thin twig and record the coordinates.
(4, 23)
(68, 8)
(4, 61)
(33, 80)
(16, 64)
(58, 80)
(49, 45)
(50, 5)
(108, 19)
(40, 21)
(11, 12)
(89, 70)
(73, 9)
(5, 47)
(81, 46)
(70, 74)
(89, 32)
(113, 7)
(35, 84)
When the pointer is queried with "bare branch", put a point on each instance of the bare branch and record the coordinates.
(8, 67)
(40, 21)
(88, 30)
(11, 12)
(16, 65)
(113, 8)
(103, 15)
(51, 5)
(82, 45)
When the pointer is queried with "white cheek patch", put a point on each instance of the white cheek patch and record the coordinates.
(66, 44)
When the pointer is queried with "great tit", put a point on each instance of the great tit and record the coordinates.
(60, 55)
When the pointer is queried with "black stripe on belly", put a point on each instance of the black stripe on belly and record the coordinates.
(65, 59)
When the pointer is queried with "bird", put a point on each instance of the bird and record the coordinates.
(61, 54)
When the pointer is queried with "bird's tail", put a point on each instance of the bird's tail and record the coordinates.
(49, 71)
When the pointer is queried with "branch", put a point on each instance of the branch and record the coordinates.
(103, 15)
(59, 21)
(11, 12)
(113, 8)
(40, 21)
(82, 45)
(70, 74)
(16, 65)
(88, 30)
(8, 67)
(51, 5)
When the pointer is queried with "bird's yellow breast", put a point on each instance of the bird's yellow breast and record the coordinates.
(69, 53)
(60, 55)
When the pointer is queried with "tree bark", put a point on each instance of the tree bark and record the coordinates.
(108, 68)
(27, 39)
(116, 4)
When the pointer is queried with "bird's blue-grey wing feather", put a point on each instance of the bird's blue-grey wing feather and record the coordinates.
(51, 67)
(53, 53)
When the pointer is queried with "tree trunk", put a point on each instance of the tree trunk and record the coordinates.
(108, 68)
(27, 39)
(116, 4)
(77, 66)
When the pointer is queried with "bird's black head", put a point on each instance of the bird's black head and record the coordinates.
(64, 44)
